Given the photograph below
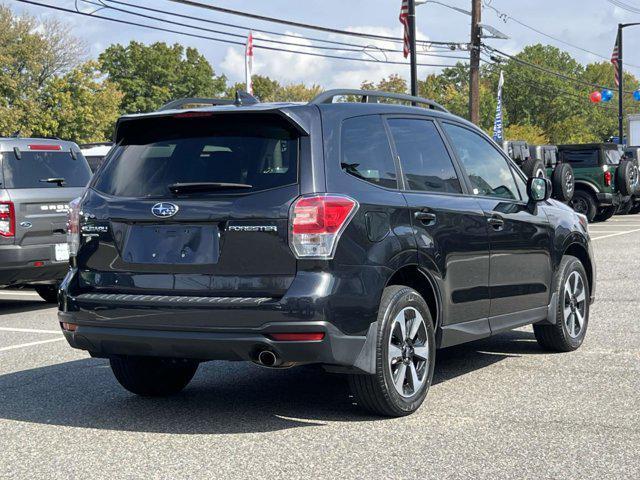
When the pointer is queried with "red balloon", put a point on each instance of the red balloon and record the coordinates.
(595, 97)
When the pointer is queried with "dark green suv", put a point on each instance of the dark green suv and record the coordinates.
(603, 179)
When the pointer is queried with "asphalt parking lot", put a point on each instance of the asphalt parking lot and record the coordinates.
(499, 408)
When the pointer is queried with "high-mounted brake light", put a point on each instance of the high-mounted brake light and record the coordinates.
(73, 226)
(192, 114)
(45, 147)
(7, 219)
(607, 178)
(317, 222)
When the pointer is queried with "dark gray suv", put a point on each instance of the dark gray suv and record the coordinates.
(38, 179)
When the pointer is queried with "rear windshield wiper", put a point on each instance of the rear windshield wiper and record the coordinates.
(178, 188)
(59, 180)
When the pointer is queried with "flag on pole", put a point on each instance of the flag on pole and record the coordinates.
(248, 63)
(497, 125)
(404, 20)
(615, 59)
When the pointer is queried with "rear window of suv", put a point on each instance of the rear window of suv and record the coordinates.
(33, 169)
(262, 154)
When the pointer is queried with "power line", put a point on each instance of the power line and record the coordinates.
(549, 71)
(624, 6)
(245, 28)
(506, 17)
(362, 48)
(222, 40)
(307, 26)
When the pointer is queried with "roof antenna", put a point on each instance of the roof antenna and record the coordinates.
(244, 98)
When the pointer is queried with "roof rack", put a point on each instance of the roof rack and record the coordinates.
(181, 102)
(372, 96)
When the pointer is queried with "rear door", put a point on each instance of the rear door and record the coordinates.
(520, 234)
(41, 180)
(197, 205)
(449, 226)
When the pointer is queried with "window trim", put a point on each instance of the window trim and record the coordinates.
(510, 163)
(396, 156)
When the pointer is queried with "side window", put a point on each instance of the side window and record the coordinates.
(582, 158)
(426, 165)
(522, 186)
(366, 153)
(488, 171)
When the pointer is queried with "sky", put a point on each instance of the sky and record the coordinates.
(588, 24)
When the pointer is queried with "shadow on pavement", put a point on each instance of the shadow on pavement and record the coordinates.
(9, 306)
(223, 398)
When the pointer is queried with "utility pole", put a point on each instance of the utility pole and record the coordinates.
(474, 80)
(413, 54)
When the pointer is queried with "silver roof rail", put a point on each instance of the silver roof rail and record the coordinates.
(372, 96)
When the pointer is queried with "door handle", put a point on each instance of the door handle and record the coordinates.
(496, 222)
(425, 216)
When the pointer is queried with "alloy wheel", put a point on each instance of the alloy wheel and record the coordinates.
(408, 358)
(574, 306)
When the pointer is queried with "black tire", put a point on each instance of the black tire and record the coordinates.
(627, 177)
(624, 208)
(153, 377)
(377, 393)
(49, 293)
(563, 181)
(532, 167)
(584, 202)
(605, 214)
(558, 337)
(635, 209)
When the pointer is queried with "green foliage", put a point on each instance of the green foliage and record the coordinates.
(268, 90)
(151, 75)
(532, 134)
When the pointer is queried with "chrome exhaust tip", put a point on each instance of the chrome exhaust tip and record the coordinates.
(267, 358)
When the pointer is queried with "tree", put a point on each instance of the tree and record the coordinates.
(78, 106)
(151, 75)
(531, 134)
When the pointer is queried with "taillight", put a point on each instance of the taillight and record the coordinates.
(607, 178)
(7, 219)
(41, 147)
(316, 223)
(73, 226)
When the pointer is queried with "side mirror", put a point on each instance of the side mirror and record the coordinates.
(539, 189)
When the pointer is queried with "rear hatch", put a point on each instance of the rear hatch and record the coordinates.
(41, 179)
(193, 204)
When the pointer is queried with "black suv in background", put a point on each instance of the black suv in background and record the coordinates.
(360, 236)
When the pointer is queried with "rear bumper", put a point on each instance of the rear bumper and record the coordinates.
(334, 349)
(342, 307)
(17, 265)
(608, 199)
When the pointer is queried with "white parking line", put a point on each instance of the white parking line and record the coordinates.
(30, 344)
(615, 234)
(29, 330)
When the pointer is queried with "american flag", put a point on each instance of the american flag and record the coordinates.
(615, 59)
(404, 20)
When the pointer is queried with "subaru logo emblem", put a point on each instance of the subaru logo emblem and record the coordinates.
(164, 210)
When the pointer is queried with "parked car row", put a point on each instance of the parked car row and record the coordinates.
(597, 180)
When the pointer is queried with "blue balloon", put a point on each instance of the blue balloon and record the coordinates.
(636, 95)
(607, 95)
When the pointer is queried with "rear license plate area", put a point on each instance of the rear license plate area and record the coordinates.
(172, 244)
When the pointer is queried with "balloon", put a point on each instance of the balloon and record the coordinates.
(636, 95)
(607, 95)
(595, 97)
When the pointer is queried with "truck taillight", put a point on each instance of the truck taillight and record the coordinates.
(7, 219)
(317, 222)
(607, 178)
(73, 226)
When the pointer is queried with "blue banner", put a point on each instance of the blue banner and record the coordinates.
(497, 124)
